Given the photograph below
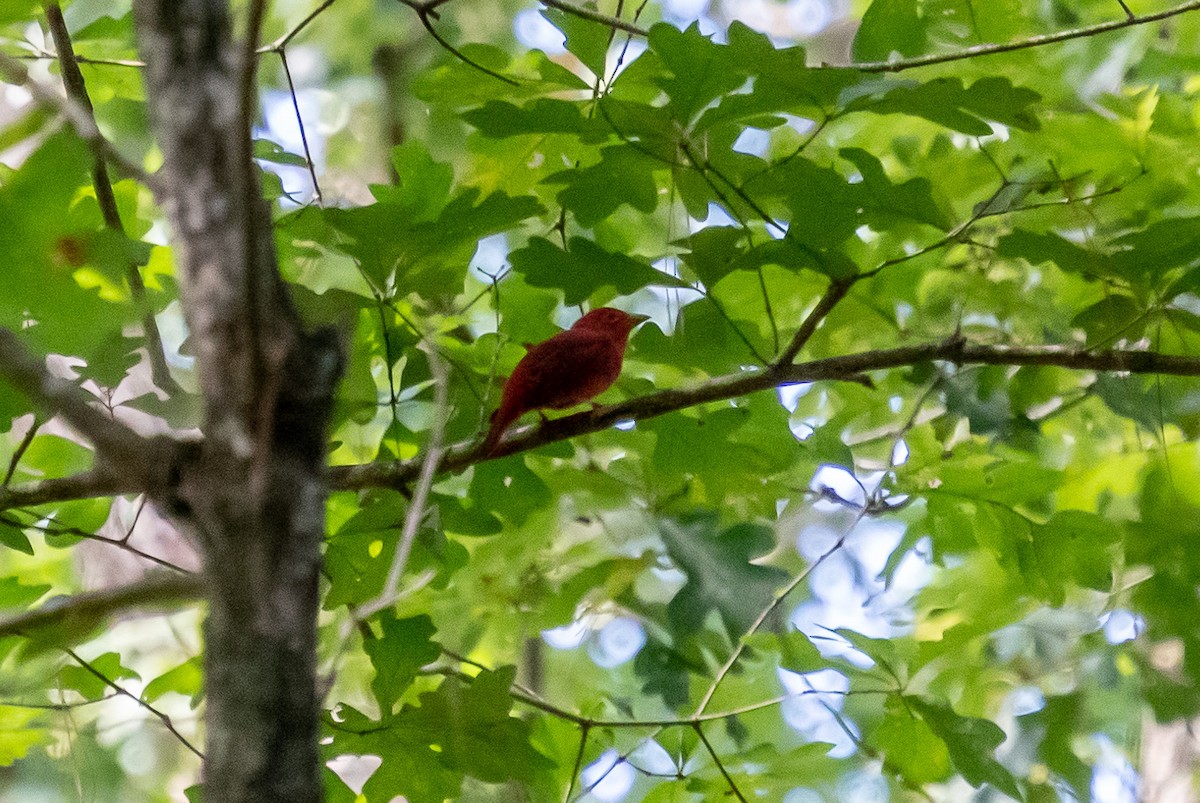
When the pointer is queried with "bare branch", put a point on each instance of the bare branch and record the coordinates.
(82, 612)
(849, 367)
(1024, 44)
(78, 118)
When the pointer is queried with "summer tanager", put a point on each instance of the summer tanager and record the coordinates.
(568, 369)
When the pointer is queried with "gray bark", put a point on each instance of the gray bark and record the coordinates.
(254, 495)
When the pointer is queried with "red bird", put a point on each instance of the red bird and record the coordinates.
(568, 369)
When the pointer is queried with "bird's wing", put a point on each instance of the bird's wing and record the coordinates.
(568, 369)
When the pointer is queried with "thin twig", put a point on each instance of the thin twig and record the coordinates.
(79, 119)
(1023, 44)
(584, 730)
(119, 543)
(595, 16)
(838, 288)
(424, 14)
(416, 508)
(282, 41)
(717, 760)
(732, 660)
(19, 452)
(77, 91)
(99, 62)
(308, 159)
(57, 706)
(955, 234)
(120, 690)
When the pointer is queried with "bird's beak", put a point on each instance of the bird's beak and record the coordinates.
(639, 319)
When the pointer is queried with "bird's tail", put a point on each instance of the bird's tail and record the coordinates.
(501, 419)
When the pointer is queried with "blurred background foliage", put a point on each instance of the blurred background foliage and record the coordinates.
(990, 573)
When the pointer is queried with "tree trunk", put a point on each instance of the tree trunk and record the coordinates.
(254, 495)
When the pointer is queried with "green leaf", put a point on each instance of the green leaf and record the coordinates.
(624, 175)
(584, 269)
(43, 249)
(1054, 727)
(721, 576)
(477, 733)
(700, 70)
(1074, 546)
(885, 200)
(586, 39)
(911, 748)
(411, 766)
(88, 683)
(13, 536)
(796, 651)
(970, 742)
(889, 26)
(664, 672)
(269, 151)
(393, 243)
(1040, 248)
(15, 594)
(424, 188)
(186, 679)
(404, 646)
(715, 251)
(509, 488)
(703, 339)
(19, 733)
(499, 119)
(55, 456)
(947, 102)
(1160, 247)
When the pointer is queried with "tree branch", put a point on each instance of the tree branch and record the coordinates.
(82, 612)
(845, 368)
(1023, 44)
(85, 485)
(836, 292)
(78, 118)
(142, 462)
(595, 16)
